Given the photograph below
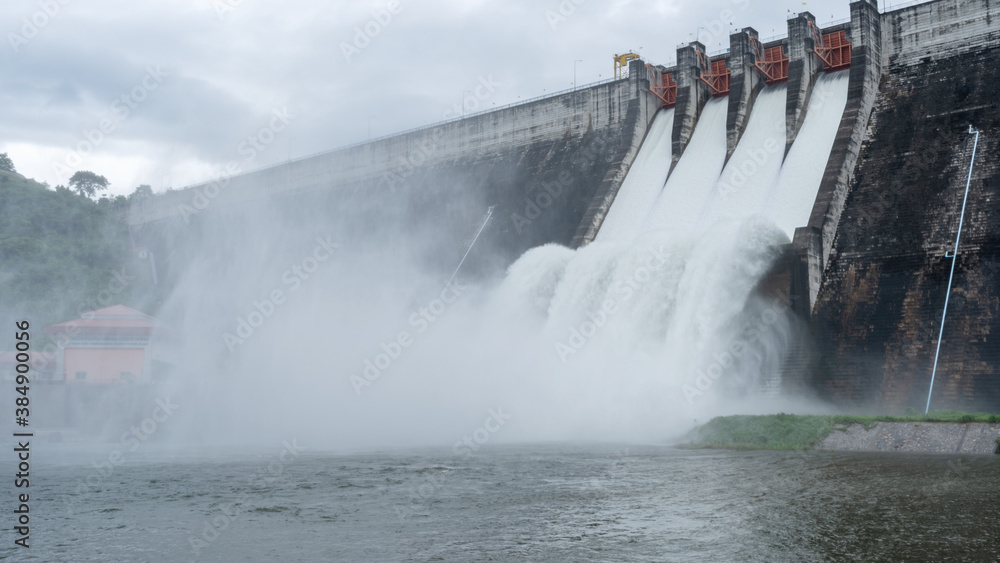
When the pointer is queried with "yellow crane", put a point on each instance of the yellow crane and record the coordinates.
(621, 64)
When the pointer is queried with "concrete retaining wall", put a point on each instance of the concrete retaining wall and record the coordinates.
(922, 437)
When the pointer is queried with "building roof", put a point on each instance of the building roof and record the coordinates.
(117, 319)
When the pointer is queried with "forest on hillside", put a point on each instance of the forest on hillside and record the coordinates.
(63, 251)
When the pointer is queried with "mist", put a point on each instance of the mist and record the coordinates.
(378, 315)
(351, 337)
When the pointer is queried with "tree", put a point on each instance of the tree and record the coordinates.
(6, 163)
(58, 251)
(86, 183)
(141, 192)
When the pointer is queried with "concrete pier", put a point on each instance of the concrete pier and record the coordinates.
(745, 83)
(803, 68)
(865, 76)
(692, 95)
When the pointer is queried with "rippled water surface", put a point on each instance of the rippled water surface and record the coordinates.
(512, 503)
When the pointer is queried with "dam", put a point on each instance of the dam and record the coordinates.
(818, 176)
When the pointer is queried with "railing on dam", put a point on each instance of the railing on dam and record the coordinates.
(834, 23)
(893, 6)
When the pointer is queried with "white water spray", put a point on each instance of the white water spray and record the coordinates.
(668, 287)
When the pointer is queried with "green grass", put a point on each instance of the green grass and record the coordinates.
(797, 432)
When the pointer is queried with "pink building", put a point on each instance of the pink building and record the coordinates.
(105, 347)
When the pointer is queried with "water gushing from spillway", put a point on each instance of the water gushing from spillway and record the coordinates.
(670, 280)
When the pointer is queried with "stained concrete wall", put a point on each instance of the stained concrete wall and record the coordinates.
(935, 30)
(878, 314)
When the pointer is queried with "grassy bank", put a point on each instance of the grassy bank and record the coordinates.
(796, 432)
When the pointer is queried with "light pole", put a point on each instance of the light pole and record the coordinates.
(954, 258)
(574, 72)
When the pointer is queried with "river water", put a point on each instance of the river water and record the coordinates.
(544, 502)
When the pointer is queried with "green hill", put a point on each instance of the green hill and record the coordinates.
(59, 253)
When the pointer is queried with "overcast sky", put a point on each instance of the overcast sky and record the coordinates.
(179, 86)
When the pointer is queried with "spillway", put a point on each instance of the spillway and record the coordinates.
(758, 178)
(671, 274)
(689, 187)
(791, 200)
(751, 173)
(643, 183)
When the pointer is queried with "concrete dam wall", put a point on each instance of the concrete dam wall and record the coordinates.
(543, 165)
(863, 128)
(878, 313)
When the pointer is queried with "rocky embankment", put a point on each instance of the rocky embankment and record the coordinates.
(922, 437)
